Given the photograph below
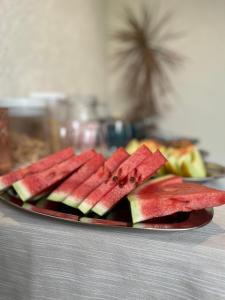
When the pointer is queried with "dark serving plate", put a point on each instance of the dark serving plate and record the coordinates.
(119, 217)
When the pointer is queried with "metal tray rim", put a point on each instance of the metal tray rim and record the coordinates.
(205, 214)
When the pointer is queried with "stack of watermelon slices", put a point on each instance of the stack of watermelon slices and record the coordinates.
(133, 178)
(34, 184)
(7, 180)
(89, 183)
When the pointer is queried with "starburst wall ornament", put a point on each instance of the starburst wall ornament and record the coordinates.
(142, 57)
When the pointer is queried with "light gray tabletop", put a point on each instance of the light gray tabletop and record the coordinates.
(42, 258)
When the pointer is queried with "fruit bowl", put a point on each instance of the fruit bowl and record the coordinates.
(184, 159)
(214, 172)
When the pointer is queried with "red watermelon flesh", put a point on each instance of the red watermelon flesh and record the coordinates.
(35, 184)
(148, 167)
(63, 192)
(169, 199)
(103, 174)
(120, 174)
(41, 165)
(160, 181)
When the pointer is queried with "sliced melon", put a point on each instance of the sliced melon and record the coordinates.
(194, 167)
(132, 146)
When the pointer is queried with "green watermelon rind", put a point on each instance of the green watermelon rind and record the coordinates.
(100, 209)
(57, 196)
(135, 208)
(22, 190)
(139, 225)
(86, 220)
(27, 206)
(85, 207)
(70, 202)
(73, 200)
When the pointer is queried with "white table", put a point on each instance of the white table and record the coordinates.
(42, 258)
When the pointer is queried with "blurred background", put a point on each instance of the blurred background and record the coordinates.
(101, 73)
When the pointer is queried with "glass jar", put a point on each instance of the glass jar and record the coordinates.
(85, 129)
(5, 157)
(29, 132)
(58, 110)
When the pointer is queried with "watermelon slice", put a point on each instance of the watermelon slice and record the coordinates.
(103, 174)
(65, 189)
(43, 164)
(148, 167)
(119, 175)
(168, 199)
(35, 184)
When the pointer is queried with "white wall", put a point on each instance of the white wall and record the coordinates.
(52, 45)
(60, 45)
(199, 108)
